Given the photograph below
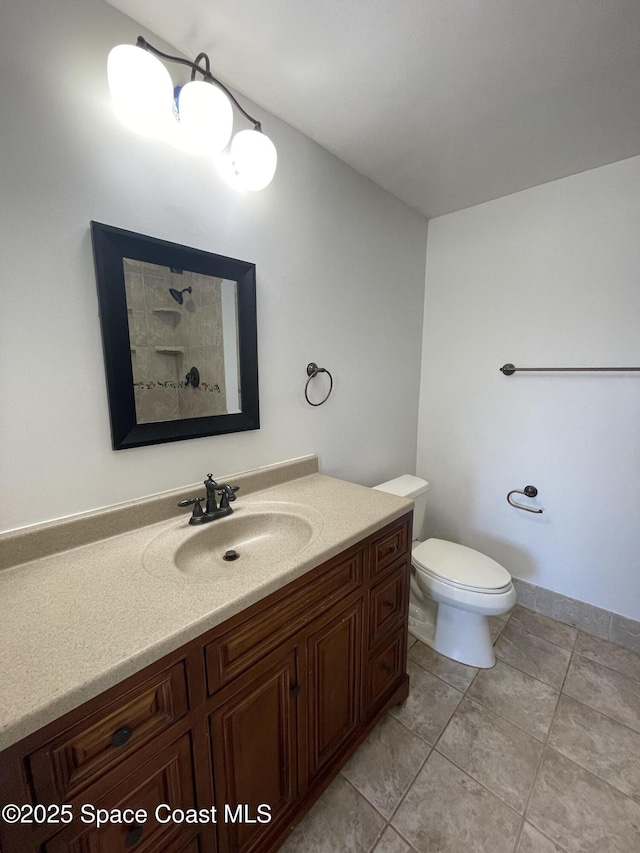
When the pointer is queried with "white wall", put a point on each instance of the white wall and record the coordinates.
(340, 281)
(545, 277)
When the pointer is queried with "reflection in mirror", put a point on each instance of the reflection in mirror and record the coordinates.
(179, 334)
(181, 320)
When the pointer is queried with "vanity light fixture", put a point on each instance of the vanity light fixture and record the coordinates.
(196, 117)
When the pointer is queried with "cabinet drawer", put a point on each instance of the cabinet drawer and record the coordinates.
(167, 778)
(387, 549)
(239, 647)
(388, 602)
(81, 754)
(385, 667)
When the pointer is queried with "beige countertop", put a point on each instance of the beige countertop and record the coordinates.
(75, 622)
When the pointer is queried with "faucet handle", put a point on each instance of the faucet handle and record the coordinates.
(197, 506)
(227, 493)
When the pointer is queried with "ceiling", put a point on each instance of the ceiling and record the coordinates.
(444, 103)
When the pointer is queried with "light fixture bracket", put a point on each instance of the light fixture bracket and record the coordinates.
(196, 68)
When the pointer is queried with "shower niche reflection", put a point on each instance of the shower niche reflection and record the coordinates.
(183, 334)
(179, 337)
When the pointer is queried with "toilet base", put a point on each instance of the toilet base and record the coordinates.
(457, 634)
(464, 636)
(422, 624)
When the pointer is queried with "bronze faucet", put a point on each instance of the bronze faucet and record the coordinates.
(212, 510)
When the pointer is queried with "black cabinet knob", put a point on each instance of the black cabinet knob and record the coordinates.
(121, 736)
(133, 836)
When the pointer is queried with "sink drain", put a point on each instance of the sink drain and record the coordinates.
(231, 555)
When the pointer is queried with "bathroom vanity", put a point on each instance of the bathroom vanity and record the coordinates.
(238, 728)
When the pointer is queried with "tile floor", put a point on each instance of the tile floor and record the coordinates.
(540, 754)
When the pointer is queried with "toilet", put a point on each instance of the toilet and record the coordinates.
(454, 589)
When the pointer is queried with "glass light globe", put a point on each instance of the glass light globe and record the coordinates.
(206, 117)
(222, 163)
(253, 158)
(141, 90)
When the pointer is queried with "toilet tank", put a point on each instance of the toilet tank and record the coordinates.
(415, 488)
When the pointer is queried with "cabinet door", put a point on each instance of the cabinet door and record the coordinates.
(334, 672)
(254, 731)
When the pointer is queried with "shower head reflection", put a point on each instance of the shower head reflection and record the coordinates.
(177, 294)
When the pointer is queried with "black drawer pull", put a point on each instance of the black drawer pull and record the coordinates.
(295, 690)
(121, 736)
(133, 836)
(390, 550)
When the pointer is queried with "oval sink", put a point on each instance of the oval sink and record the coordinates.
(259, 534)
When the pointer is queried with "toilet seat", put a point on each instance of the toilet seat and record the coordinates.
(460, 567)
(433, 576)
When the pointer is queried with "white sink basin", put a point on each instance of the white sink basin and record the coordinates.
(260, 533)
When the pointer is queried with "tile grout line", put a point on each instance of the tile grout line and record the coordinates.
(591, 707)
(544, 834)
(624, 794)
(387, 820)
(545, 746)
(526, 631)
(403, 798)
(475, 699)
(409, 729)
(602, 714)
(502, 717)
(535, 677)
(431, 746)
(610, 668)
(545, 741)
(439, 677)
(597, 711)
(482, 784)
(375, 808)
(473, 779)
(530, 634)
(535, 775)
(465, 694)
(610, 614)
(520, 627)
(548, 747)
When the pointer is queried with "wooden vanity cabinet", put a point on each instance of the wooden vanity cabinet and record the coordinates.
(253, 718)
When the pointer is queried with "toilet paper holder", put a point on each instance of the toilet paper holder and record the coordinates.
(529, 492)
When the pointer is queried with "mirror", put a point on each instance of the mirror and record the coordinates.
(179, 337)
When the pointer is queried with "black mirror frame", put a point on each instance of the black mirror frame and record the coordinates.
(110, 246)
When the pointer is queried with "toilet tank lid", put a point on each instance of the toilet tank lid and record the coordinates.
(406, 486)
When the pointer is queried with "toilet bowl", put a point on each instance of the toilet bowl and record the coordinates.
(454, 589)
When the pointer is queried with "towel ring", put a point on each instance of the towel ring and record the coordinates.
(528, 491)
(312, 371)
